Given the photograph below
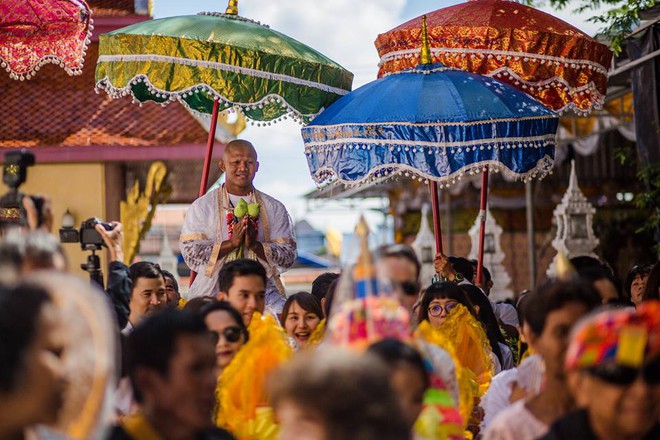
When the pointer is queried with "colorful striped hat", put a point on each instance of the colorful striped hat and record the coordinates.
(625, 336)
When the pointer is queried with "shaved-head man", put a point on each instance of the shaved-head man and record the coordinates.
(212, 235)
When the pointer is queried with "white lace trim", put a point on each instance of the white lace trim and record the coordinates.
(415, 145)
(221, 66)
(225, 104)
(53, 59)
(383, 173)
(438, 124)
(499, 54)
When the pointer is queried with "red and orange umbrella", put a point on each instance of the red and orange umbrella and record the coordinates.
(38, 32)
(542, 55)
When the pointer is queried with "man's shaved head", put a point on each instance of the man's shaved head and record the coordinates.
(240, 165)
(238, 144)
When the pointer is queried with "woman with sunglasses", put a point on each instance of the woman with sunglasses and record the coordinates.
(244, 362)
(226, 324)
(613, 369)
(301, 317)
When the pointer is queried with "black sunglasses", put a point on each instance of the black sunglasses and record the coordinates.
(231, 334)
(409, 288)
(621, 375)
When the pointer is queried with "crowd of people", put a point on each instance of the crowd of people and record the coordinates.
(371, 353)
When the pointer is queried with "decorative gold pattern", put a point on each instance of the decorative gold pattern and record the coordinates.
(545, 57)
(232, 7)
(135, 214)
(10, 213)
(188, 237)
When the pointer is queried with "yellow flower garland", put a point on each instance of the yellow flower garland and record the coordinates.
(467, 385)
(317, 335)
(243, 407)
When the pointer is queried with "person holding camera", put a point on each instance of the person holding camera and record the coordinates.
(119, 278)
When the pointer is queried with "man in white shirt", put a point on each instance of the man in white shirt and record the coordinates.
(212, 235)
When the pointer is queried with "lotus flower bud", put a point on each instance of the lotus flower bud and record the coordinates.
(253, 210)
(241, 209)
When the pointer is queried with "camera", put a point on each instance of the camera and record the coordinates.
(14, 174)
(88, 236)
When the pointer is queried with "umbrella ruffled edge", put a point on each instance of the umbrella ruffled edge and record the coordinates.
(53, 59)
(533, 88)
(328, 176)
(500, 55)
(225, 104)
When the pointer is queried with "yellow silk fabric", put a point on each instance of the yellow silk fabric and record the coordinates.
(242, 399)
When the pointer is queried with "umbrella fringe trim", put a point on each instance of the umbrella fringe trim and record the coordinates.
(75, 70)
(366, 144)
(328, 176)
(272, 99)
(596, 103)
(490, 53)
(435, 124)
(220, 66)
(291, 113)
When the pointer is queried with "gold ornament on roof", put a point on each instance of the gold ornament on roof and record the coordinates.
(135, 213)
(364, 266)
(232, 7)
(565, 270)
(426, 48)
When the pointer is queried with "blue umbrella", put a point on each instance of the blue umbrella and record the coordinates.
(432, 123)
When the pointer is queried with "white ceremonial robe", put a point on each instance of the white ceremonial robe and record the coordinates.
(205, 228)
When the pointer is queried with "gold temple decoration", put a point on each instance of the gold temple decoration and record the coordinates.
(426, 48)
(232, 7)
(234, 128)
(364, 267)
(565, 270)
(136, 214)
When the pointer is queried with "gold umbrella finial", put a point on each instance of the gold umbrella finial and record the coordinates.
(426, 48)
(232, 7)
(565, 270)
(364, 265)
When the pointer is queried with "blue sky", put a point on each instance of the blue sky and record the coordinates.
(343, 30)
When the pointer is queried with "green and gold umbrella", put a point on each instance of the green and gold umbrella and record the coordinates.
(214, 57)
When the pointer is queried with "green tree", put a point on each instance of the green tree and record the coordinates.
(618, 19)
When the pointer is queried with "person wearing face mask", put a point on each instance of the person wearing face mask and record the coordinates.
(213, 235)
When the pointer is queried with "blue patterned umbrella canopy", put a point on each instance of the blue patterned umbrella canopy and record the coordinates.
(430, 122)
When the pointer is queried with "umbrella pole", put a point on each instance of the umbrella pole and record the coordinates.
(436, 216)
(482, 226)
(209, 148)
(207, 160)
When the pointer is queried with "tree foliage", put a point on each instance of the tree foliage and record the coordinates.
(618, 19)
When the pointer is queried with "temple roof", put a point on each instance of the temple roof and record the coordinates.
(57, 110)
